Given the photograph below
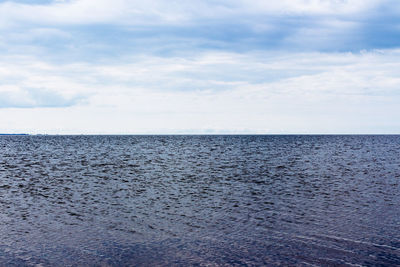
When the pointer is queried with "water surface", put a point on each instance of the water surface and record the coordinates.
(199, 200)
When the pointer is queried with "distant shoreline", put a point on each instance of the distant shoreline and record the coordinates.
(13, 134)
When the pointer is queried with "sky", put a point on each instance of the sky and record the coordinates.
(200, 67)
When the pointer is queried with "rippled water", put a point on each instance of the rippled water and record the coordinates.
(199, 200)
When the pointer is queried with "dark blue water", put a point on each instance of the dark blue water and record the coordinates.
(199, 200)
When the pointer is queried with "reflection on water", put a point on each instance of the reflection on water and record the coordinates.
(199, 200)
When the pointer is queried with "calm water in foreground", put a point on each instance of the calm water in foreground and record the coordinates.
(199, 200)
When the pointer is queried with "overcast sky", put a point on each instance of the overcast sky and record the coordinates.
(211, 66)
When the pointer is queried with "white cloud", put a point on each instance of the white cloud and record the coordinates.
(152, 12)
(221, 92)
(318, 7)
(195, 89)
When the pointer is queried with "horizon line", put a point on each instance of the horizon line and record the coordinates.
(186, 134)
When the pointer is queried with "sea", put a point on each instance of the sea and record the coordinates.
(187, 200)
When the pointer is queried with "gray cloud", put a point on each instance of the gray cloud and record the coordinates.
(37, 98)
(97, 30)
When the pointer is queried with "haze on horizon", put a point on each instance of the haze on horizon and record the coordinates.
(165, 67)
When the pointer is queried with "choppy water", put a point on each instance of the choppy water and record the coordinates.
(199, 200)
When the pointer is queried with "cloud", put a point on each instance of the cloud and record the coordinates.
(31, 83)
(11, 97)
(259, 92)
(104, 29)
(200, 66)
(323, 73)
(135, 12)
